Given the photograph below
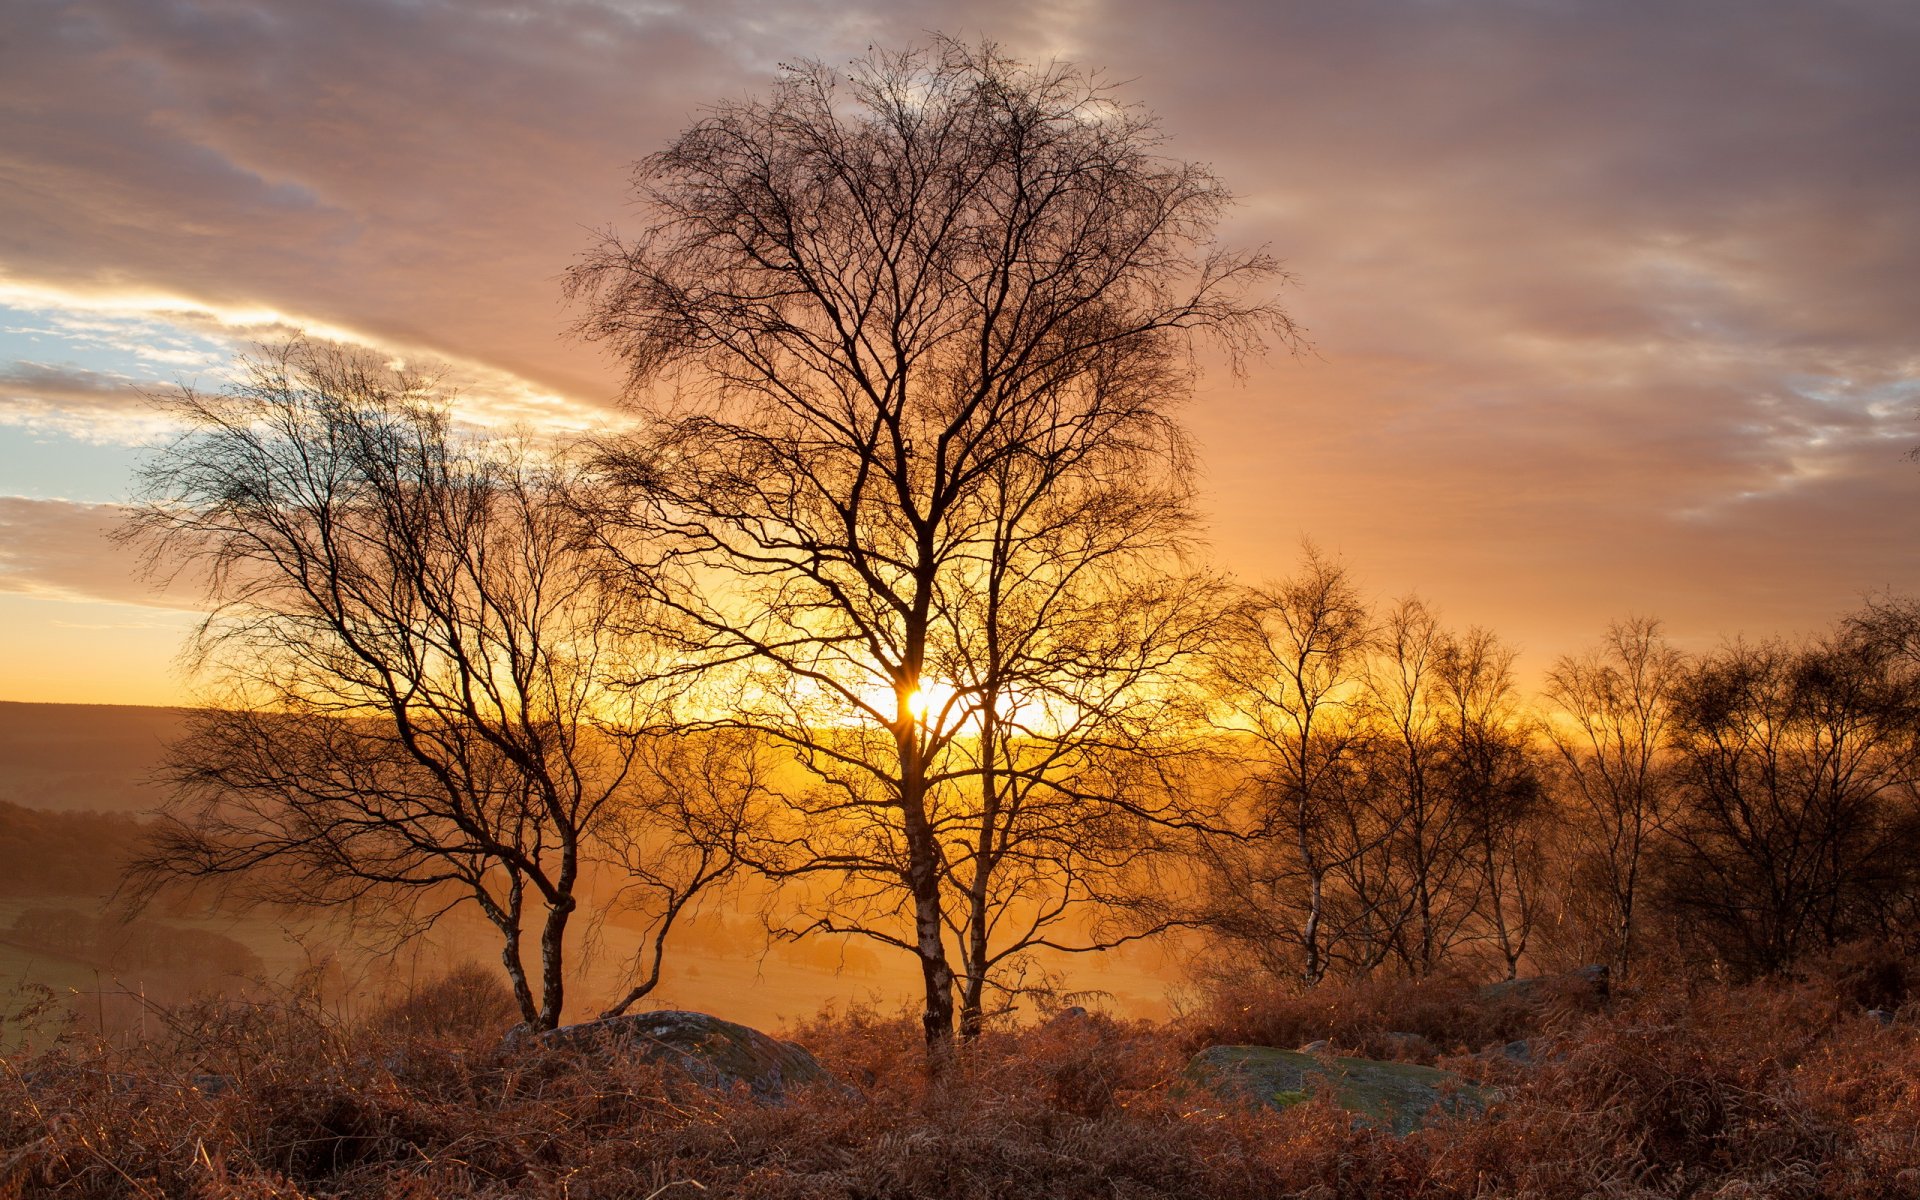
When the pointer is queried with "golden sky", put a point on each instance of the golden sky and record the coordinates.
(1614, 304)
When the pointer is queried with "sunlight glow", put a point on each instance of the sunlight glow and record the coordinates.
(931, 698)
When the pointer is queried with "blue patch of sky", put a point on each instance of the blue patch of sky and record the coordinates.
(140, 348)
(45, 465)
(1890, 405)
(50, 453)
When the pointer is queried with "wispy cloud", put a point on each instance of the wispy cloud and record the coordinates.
(60, 549)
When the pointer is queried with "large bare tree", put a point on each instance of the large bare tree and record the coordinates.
(409, 662)
(886, 326)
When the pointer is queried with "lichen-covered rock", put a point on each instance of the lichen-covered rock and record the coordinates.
(1388, 1095)
(709, 1051)
(1592, 983)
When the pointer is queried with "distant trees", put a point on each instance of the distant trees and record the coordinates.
(1799, 824)
(1491, 773)
(419, 699)
(919, 484)
(1398, 806)
(1290, 673)
(137, 944)
(1384, 787)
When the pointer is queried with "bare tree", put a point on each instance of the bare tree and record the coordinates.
(1798, 824)
(410, 656)
(909, 308)
(1613, 706)
(1290, 672)
(1066, 653)
(1492, 783)
(1415, 889)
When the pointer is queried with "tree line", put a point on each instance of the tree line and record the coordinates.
(889, 594)
(1402, 806)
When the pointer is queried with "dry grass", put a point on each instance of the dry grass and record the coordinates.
(1779, 1090)
(1413, 1020)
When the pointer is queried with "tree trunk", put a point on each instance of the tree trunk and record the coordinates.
(972, 1007)
(553, 980)
(517, 976)
(973, 1015)
(1310, 936)
(923, 883)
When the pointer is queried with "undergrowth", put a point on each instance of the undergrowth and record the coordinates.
(1778, 1089)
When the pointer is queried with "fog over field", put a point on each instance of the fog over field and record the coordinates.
(77, 780)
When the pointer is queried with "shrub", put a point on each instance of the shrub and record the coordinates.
(467, 1002)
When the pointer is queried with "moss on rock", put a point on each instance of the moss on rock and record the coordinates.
(1389, 1095)
(707, 1049)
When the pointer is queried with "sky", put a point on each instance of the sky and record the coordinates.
(1613, 305)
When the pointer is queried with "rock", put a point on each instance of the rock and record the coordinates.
(1317, 1046)
(1520, 1051)
(1409, 1045)
(1880, 1016)
(1591, 982)
(1388, 1095)
(709, 1051)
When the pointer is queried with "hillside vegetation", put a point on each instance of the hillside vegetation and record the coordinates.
(1781, 1088)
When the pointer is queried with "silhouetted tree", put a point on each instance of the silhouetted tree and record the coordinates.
(1611, 710)
(1798, 827)
(1289, 672)
(411, 656)
(916, 313)
(1493, 784)
(1417, 889)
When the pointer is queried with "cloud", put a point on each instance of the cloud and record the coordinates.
(1612, 302)
(59, 549)
(77, 401)
(172, 342)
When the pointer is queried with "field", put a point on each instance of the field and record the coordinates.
(59, 763)
(140, 1061)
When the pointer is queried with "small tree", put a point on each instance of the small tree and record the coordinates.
(1417, 888)
(410, 658)
(915, 311)
(1290, 673)
(1492, 781)
(1613, 706)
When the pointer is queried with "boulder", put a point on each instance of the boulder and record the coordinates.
(1387, 1095)
(1403, 1045)
(709, 1051)
(1591, 983)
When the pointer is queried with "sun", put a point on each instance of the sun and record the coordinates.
(928, 699)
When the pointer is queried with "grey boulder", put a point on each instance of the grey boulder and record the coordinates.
(707, 1050)
(1387, 1095)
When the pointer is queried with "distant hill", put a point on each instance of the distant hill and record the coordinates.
(70, 757)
